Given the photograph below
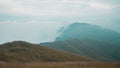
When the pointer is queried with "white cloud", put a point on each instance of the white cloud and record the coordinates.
(50, 7)
(100, 6)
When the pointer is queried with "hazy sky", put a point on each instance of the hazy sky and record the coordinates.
(37, 20)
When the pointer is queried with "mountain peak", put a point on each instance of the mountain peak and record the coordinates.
(79, 24)
(88, 31)
(17, 43)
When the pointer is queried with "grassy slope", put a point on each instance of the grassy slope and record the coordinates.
(94, 49)
(20, 51)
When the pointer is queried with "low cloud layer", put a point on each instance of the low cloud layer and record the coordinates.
(29, 31)
(38, 20)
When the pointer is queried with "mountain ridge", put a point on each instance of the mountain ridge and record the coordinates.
(88, 31)
(93, 41)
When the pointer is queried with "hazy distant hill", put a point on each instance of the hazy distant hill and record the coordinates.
(94, 49)
(20, 51)
(88, 31)
(89, 40)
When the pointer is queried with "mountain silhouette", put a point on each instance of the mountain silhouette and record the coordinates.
(92, 41)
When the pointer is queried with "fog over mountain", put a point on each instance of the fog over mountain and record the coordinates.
(89, 31)
(93, 41)
(38, 20)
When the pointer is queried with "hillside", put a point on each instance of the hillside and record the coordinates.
(89, 40)
(20, 51)
(94, 49)
(89, 31)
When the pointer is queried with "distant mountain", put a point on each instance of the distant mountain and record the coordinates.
(88, 31)
(97, 50)
(92, 41)
(20, 51)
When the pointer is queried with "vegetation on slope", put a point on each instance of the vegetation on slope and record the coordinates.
(20, 51)
(60, 65)
(93, 41)
(97, 50)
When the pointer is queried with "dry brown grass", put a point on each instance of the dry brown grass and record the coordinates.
(20, 51)
(60, 65)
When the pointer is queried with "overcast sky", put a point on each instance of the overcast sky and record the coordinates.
(38, 20)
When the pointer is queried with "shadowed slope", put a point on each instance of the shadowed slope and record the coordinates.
(100, 51)
(89, 40)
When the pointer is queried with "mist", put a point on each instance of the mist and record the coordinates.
(39, 20)
(31, 31)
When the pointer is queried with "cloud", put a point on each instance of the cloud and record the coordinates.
(38, 20)
(100, 6)
(53, 10)
(48, 7)
(111, 2)
(32, 31)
